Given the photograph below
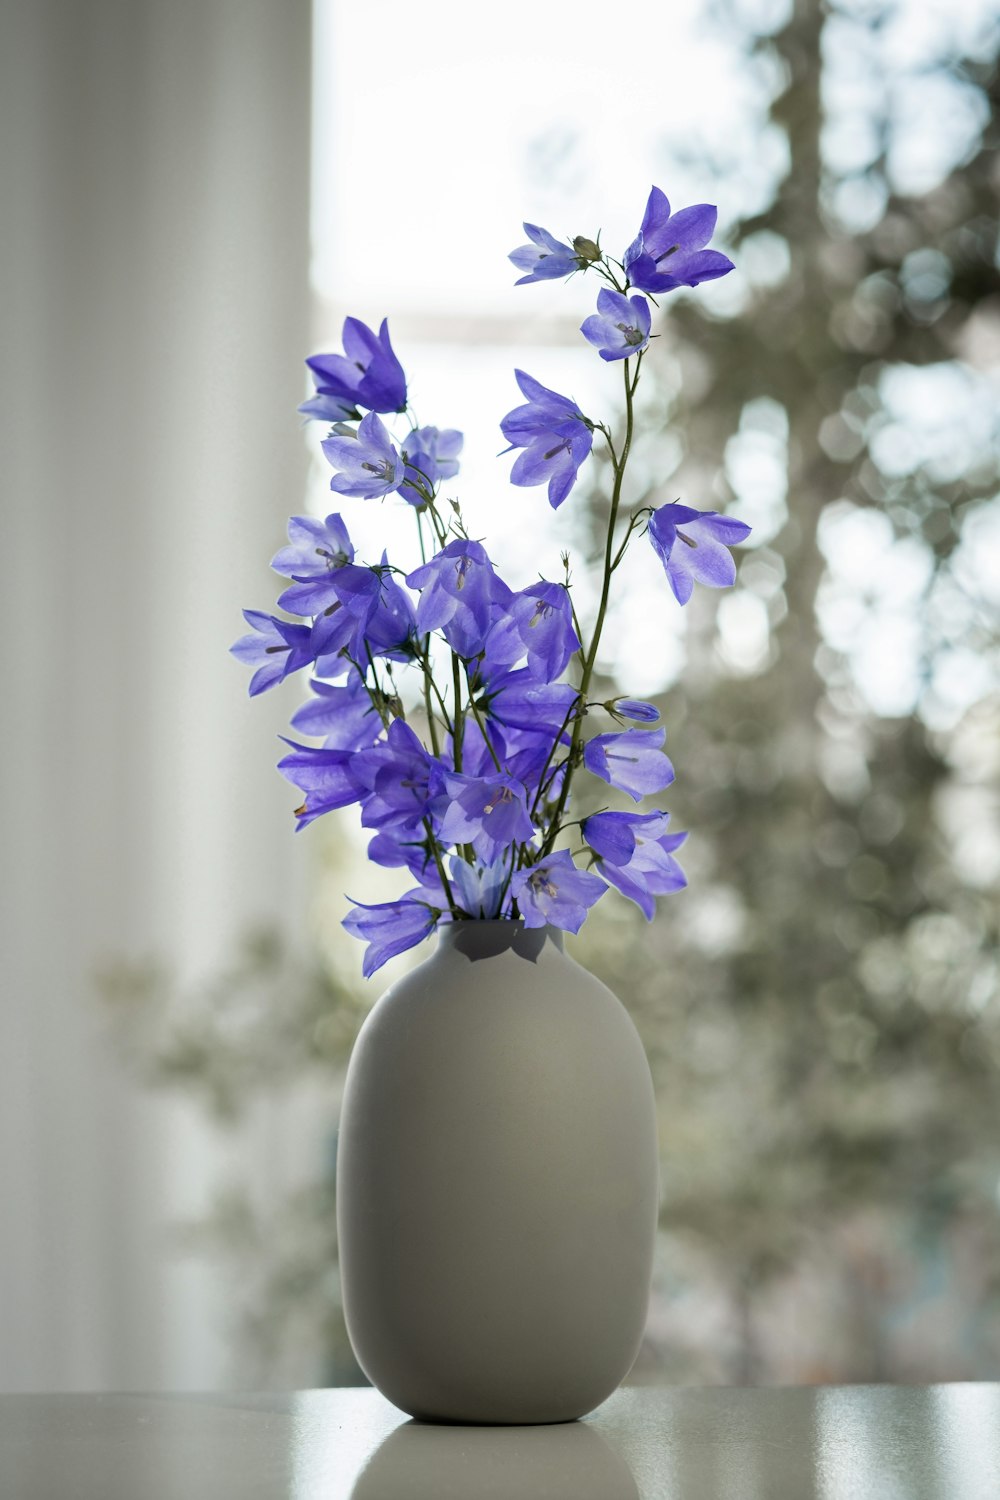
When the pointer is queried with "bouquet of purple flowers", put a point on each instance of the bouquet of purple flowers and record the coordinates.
(464, 778)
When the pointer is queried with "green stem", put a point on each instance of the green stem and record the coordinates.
(439, 862)
(459, 717)
(482, 727)
(573, 754)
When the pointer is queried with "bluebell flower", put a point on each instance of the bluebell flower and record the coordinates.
(546, 258)
(326, 407)
(479, 888)
(430, 455)
(633, 708)
(344, 716)
(620, 326)
(528, 756)
(323, 775)
(367, 374)
(316, 551)
(460, 594)
(669, 251)
(277, 647)
(632, 761)
(399, 850)
(388, 625)
(391, 927)
(554, 892)
(315, 548)
(488, 812)
(517, 700)
(636, 854)
(396, 780)
(693, 546)
(537, 622)
(555, 435)
(371, 465)
(370, 613)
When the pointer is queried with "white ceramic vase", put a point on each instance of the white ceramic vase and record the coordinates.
(497, 1183)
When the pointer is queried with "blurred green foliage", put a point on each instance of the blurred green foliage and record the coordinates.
(821, 1008)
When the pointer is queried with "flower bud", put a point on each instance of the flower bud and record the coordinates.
(586, 249)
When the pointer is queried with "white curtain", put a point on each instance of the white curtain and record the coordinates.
(155, 291)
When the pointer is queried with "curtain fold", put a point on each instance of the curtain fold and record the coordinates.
(154, 193)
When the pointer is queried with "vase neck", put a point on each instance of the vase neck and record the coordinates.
(478, 940)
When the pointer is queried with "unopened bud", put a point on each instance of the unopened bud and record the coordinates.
(585, 248)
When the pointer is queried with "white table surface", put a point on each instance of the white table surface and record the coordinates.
(833, 1443)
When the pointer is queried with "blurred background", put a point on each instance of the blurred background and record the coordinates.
(193, 196)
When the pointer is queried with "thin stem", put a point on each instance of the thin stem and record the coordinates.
(431, 721)
(482, 727)
(634, 523)
(439, 862)
(573, 754)
(555, 745)
(459, 718)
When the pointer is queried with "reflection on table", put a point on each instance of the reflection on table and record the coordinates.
(833, 1443)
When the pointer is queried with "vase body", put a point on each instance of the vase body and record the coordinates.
(497, 1184)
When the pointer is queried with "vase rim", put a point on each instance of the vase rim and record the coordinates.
(498, 934)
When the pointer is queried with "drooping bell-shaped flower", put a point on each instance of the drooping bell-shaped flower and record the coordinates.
(555, 435)
(370, 465)
(636, 854)
(391, 927)
(488, 812)
(620, 327)
(632, 761)
(555, 892)
(366, 375)
(693, 546)
(460, 594)
(669, 250)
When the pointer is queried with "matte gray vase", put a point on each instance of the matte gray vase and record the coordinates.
(497, 1184)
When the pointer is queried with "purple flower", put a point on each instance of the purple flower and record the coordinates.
(477, 754)
(459, 593)
(620, 326)
(488, 812)
(529, 756)
(396, 781)
(546, 258)
(314, 548)
(555, 892)
(403, 850)
(479, 888)
(371, 613)
(277, 647)
(537, 621)
(668, 250)
(637, 855)
(631, 761)
(693, 547)
(323, 775)
(430, 455)
(316, 551)
(633, 708)
(387, 622)
(392, 927)
(371, 465)
(367, 374)
(326, 407)
(517, 700)
(345, 715)
(555, 435)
